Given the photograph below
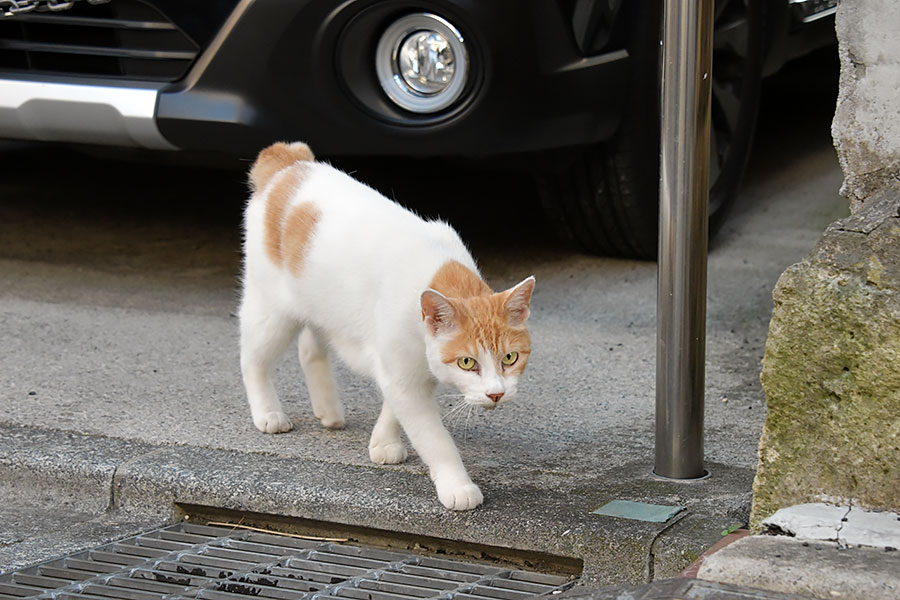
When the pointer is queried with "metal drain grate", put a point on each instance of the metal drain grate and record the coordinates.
(196, 561)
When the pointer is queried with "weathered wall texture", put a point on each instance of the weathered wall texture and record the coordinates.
(866, 126)
(831, 371)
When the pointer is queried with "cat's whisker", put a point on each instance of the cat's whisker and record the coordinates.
(455, 413)
(453, 408)
(462, 401)
(447, 417)
(465, 409)
(466, 430)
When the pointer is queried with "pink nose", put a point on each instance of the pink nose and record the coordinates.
(495, 397)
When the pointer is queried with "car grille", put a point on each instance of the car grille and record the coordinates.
(126, 39)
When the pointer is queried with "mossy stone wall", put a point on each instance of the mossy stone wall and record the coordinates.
(831, 371)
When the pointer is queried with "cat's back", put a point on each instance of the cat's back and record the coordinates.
(311, 220)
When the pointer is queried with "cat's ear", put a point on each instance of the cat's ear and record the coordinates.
(518, 301)
(436, 312)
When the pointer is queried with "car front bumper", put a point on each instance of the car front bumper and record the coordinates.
(279, 69)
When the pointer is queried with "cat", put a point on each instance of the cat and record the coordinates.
(333, 263)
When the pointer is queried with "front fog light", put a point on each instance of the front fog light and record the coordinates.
(421, 63)
(426, 62)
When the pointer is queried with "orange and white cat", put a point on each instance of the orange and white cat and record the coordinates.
(398, 298)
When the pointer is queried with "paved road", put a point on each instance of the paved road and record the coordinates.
(118, 286)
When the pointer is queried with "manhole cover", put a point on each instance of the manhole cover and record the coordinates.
(197, 561)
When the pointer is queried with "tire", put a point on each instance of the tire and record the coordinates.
(605, 200)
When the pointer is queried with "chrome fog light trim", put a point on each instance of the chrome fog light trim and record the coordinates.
(422, 63)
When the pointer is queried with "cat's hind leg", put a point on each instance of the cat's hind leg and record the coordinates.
(264, 338)
(385, 445)
(320, 380)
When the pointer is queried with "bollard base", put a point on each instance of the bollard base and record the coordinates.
(706, 475)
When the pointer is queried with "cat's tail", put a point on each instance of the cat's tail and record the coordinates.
(274, 158)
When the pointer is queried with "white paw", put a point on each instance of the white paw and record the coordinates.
(273, 422)
(332, 422)
(388, 454)
(459, 496)
(330, 418)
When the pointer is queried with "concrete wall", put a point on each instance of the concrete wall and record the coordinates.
(866, 126)
(831, 371)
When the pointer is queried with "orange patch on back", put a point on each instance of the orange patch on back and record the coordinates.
(298, 230)
(277, 201)
(275, 158)
(454, 280)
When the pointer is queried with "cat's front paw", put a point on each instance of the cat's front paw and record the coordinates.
(273, 422)
(459, 495)
(332, 422)
(388, 454)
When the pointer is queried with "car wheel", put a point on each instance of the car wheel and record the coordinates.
(605, 199)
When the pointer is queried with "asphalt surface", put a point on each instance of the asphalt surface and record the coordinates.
(118, 287)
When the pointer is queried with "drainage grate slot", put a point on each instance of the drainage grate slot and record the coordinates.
(38, 581)
(526, 587)
(173, 576)
(88, 566)
(358, 594)
(185, 538)
(431, 573)
(139, 551)
(440, 564)
(215, 563)
(162, 545)
(115, 558)
(396, 588)
(158, 586)
(66, 574)
(15, 591)
(417, 581)
(498, 593)
(104, 591)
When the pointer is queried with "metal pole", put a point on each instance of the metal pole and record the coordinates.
(683, 237)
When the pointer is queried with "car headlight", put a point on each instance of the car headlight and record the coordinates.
(422, 63)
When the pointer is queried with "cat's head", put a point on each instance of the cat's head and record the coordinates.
(479, 344)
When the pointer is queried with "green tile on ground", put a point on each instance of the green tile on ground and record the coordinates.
(638, 511)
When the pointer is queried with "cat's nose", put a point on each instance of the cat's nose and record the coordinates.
(495, 397)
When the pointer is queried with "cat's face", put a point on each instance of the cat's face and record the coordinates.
(480, 345)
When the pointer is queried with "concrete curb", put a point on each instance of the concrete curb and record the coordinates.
(819, 569)
(132, 479)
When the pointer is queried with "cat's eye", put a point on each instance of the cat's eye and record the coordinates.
(510, 358)
(466, 363)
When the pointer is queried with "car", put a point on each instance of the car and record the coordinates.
(565, 89)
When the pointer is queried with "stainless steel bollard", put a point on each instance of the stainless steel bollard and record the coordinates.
(683, 237)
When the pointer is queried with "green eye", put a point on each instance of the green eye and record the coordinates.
(510, 358)
(466, 363)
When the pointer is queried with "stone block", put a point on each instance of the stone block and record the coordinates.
(811, 569)
(831, 371)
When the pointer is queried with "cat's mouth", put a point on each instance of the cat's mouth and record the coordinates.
(487, 404)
